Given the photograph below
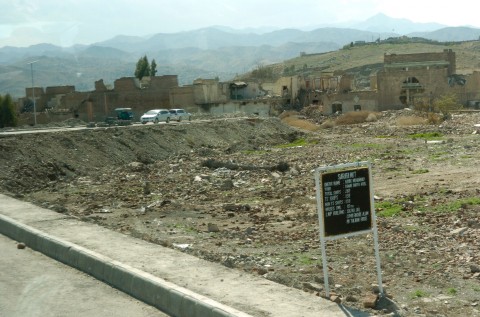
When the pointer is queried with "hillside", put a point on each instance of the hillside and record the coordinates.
(216, 52)
(364, 60)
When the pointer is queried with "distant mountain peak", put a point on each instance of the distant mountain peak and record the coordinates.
(381, 22)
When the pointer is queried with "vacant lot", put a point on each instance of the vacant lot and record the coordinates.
(241, 192)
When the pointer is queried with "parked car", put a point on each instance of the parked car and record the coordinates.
(156, 116)
(180, 114)
(124, 116)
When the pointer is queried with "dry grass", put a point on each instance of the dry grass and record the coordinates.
(411, 120)
(430, 118)
(287, 114)
(291, 118)
(356, 117)
(434, 118)
(328, 124)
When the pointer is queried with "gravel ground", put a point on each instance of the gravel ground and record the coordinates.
(240, 191)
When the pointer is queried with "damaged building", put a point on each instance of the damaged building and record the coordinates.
(403, 81)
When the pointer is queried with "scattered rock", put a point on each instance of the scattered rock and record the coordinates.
(370, 300)
(227, 185)
(351, 298)
(287, 200)
(336, 299)
(265, 212)
(458, 231)
(474, 268)
(212, 227)
(313, 286)
(136, 166)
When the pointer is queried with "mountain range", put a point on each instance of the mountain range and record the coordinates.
(213, 52)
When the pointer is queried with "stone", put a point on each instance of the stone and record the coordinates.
(136, 166)
(21, 245)
(336, 299)
(351, 298)
(370, 300)
(458, 231)
(146, 188)
(287, 200)
(474, 268)
(227, 185)
(320, 279)
(276, 175)
(312, 286)
(212, 227)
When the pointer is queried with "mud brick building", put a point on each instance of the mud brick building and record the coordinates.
(408, 77)
(404, 80)
(151, 93)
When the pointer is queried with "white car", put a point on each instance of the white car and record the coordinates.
(180, 114)
(156, 116)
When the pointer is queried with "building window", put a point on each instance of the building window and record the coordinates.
(337, 108)
(357, 108)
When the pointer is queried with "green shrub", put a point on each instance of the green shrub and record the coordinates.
(8, 115)
(388, 209)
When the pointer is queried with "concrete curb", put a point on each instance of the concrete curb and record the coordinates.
(168, 297)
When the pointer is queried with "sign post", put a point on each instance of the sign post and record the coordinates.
(346, 208)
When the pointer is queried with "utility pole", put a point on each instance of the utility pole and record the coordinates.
(33, 95)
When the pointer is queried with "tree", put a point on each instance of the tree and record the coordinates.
(153, 68)
(143, 68)
(8, 115)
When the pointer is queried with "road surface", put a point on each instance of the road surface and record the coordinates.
(32, 284)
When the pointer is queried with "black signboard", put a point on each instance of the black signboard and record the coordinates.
(346, 201)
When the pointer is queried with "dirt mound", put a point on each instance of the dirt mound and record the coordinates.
(34, 161)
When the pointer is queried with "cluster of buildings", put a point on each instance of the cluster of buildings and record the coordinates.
(404, 80)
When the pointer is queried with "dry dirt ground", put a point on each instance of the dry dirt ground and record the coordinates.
(241, 192)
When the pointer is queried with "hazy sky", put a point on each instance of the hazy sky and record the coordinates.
(68, 22)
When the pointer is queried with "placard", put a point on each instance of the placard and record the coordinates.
(346, 201)
(346, 208)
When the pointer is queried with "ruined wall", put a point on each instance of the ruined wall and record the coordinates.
(390, 84)
(59, 90)
(125, 84)
(37, 90)
(100, 86)
(160, 83)
(373, 82)
(253, 90)
(292, 84)
(127, 93)
(352, 101)
(182, 97)
(446, 56)
(207, 91)
(346, 82)
(471, 90)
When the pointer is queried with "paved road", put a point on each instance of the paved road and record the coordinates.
(43, 129)
(32, 284)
